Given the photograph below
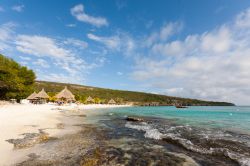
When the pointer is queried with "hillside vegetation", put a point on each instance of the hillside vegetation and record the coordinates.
(82, 92)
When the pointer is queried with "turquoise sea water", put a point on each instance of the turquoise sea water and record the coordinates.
(230, 118)
(208, 135)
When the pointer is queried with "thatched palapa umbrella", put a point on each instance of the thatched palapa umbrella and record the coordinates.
(111, 101)
(32, 96)
(90, 100)
(65, 94)
(42, 96)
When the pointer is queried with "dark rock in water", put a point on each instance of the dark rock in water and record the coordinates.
(134, 119)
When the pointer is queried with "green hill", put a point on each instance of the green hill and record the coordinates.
(82, 92)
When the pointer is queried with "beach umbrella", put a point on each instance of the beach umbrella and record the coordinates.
(32, 96)
(90, 100)
(42, 95)
(65, 94)
(111, 101)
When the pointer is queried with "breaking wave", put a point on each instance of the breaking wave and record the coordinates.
(203, 141)
(149, 131)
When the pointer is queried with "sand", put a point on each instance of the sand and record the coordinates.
(16, 119)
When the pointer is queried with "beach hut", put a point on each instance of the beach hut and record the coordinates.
(32, 98)
(42, 96)
(112, 101)
(90, 100)
(65, 95)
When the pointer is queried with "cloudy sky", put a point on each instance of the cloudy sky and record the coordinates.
(197, 49)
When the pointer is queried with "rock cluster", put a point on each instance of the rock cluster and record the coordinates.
(134, 119)
(30, 139)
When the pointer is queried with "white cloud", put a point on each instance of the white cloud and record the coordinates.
(214, 65)
(215, 42)
(25, 58)
(119, 73)
(166, 31)
(79, 13)
(175, 91)
(170, 29)
(54, 55)
(120, 42)
(63, 78)
(59, 54)
(61, 57)
(242, 19)
(173, 48)
(42, 63)
(77, 43)
(24, 63)
(111, 42)
(71, 25)
(6, 31)
(145, 67)
(218, 41)
(18, 8)
(6, 34)
(40, 46)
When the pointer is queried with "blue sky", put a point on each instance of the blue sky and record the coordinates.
(197, 49)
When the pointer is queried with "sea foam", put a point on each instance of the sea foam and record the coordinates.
(153, 133)
(150, 132)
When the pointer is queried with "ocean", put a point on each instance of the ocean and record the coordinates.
(197, 135)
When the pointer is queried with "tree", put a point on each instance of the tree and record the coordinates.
(52, 97)
(16, 81)
(119, 100)
(80, 98)
(97, 100)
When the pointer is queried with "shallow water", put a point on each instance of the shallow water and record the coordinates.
(202, 135)
(224, 117)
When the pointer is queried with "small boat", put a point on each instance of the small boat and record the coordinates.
(180, 106)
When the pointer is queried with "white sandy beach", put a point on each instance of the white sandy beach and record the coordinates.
(16, 119)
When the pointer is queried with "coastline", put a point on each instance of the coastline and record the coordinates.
(55, 121)
(96, 135)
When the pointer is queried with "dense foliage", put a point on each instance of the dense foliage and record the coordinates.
(16, 81)
(104, 95)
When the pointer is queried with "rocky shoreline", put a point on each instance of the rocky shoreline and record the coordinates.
(91, 145)
(70, 149)
(107, 142)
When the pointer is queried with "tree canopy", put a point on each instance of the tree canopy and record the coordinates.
(16, 81)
